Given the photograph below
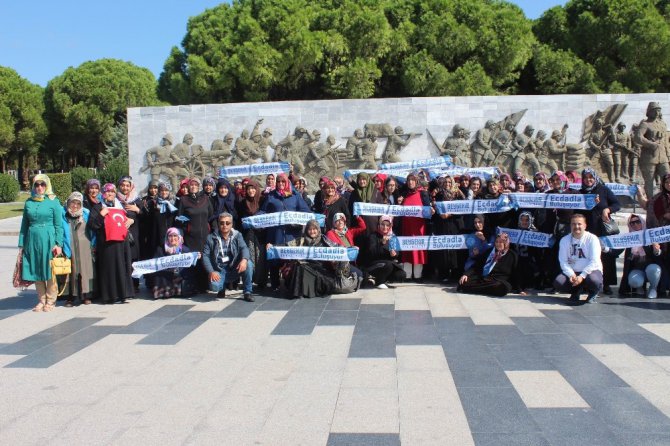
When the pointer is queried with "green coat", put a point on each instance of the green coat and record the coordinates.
(41, 230)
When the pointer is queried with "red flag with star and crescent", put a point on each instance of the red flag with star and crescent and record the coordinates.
(115, 225)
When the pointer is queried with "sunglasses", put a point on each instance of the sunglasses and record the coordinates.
(40, 184)
(225, 223)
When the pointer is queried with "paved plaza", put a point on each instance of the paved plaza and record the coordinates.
(413, 365)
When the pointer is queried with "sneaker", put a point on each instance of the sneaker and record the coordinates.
(592, 299)
(392, 287)
(574, 296)
(248, 297)
(652, 294)
(382, 286)
(221, 294)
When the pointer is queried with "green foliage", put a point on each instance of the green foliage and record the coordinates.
(22, 126)
(79, 177)
(626, 42)
(114, 170)
(561, 72)
(297, 49)
(9, 188)
(62, 185)
(116, 146)
(85, 103)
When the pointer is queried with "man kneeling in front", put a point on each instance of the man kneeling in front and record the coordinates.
(226, 257)
(579, 257)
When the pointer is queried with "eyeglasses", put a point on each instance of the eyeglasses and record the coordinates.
(40, 184)
(225, 223)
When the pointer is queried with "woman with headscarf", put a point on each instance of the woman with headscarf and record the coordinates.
(606, 204)
(113, 262)
(481, 242)
(182, 191)
(300, 185)
(164, 213)
(146, 223)
(541, 182)
(379, 180)
(341, 235)
(331, 203)
(492, 274)
(447, 263)
(365, 192)
(391, 191)
(282, 199)
(464, 185)
(413, 261)
(78, 246)
(506, 183)
(223, 200)
(92, 195)
(208, 186)
(496, 219)
(377, 258)
(40, 240)
(127, 196)
(641, 263)
(194, 214)
(309, 278)
(527, 273)
(173, 281)
(254, 238)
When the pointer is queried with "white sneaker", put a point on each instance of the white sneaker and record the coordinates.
(382, 286)
(652, 294)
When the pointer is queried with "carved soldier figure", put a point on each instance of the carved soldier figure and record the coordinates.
(634, 154)
(597, 144)
(255, 150)
(482, 144)
(519, 148)
(163, 161)
(456, 146)
(555, 151)
(501, 145)
(266, 141)
(290, 149)
(621, 148)
(183, 149)
(367, 151)
(652, 136)
(394, 144)
(242, 152)
(530, 149)
(354, 143)
(540, 151)
(220, 151)
(317, 156)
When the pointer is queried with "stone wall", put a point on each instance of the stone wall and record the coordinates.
(148, 125)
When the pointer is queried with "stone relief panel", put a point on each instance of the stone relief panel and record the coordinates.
(514, 133)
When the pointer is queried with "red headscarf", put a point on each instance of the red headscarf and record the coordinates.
(285, 189)
(381, 176)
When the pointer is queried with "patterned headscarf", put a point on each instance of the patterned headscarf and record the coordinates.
(180, 243)
(637, 251)
(75, 196)
(546, 181)
(495, 255)
(592, 172)
(309, 241)
(564, 180)
(340, 216)
(285, 191)
(531, 220)
(132, 195)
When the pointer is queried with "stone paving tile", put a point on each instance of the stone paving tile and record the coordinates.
(155, 320)
(346, 439)
(343, 304)
(178, 328)
(588, 334)
(338, 317)
(504, 439)
(48, 336)
(647, 344)
(616, 325)
(495, 410)
(565, 317)
(536, 325)
(545, 389)
(573, 426)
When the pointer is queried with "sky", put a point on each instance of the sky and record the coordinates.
(41, 39)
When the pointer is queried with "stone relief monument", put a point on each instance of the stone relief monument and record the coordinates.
(514, 138)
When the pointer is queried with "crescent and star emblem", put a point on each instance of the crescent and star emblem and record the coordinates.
(120, 216)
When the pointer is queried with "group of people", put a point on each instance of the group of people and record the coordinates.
(108, 227)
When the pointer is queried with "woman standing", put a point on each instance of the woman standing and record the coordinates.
(40, 239)
(331, 203)
(413, 261)
(223, 200)
(194, 214)
(365, 192)
(127, 196)
(446, 262)
(78, 246)
(92, 194)
(113, 258)
(606, 204)
(146, 223)
(254, 238)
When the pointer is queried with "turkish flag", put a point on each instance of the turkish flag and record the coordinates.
(115, 225)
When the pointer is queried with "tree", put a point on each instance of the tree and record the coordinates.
(561, 72)
(85, 103)
(626, 42)
(298, 49)
(22, 126)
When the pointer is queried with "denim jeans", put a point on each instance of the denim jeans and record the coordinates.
(230, 275)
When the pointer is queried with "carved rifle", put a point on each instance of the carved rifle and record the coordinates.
(329, 152)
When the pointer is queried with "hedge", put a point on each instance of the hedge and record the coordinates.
(114, 170)
(80, 175)
(61, 184)
(9, 188)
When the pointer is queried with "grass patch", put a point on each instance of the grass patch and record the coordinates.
(8, 210)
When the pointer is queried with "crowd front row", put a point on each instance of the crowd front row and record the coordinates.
(108, 227)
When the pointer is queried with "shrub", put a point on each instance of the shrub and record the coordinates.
(114, 170)
(61, 184)
(9, 188)
(80, 175)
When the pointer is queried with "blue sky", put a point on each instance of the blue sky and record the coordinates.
(41, 39)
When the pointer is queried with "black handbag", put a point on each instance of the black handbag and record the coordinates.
(609, 227)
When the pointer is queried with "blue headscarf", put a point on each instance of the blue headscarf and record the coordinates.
(592, 172)
(227, 203)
